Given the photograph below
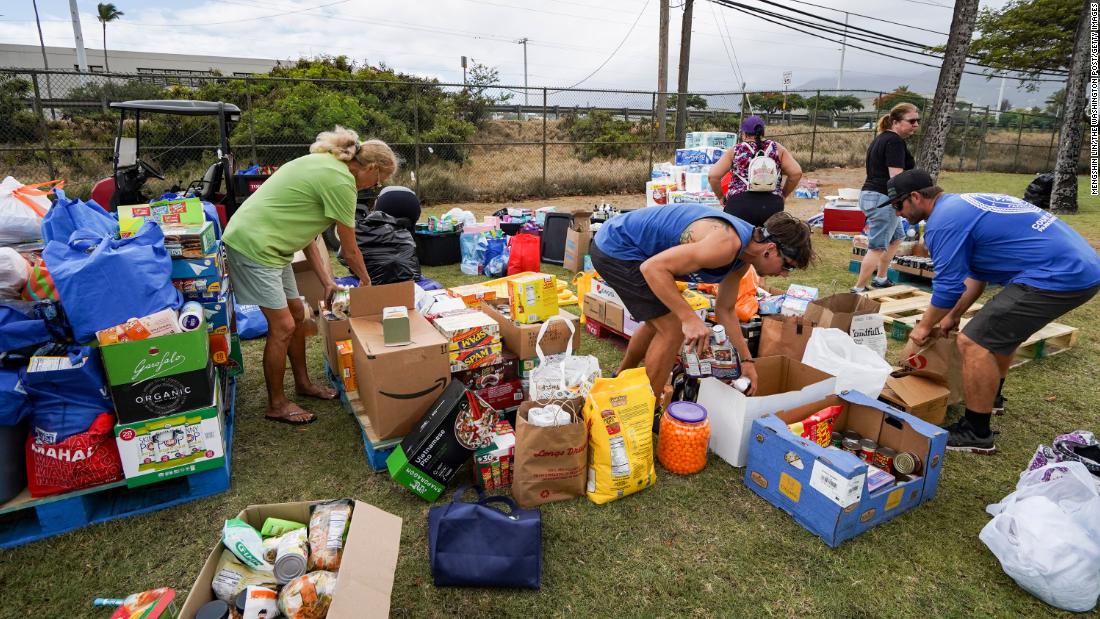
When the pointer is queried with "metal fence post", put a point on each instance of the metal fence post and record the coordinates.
(45, 126)
(1019, 136)
(962, 143)
(251, 133)
(813, 134)
(416, 140)
(653, 128)
(981, 140)
(544, 138)
(1050, 149)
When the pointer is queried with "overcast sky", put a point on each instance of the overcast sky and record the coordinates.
(568, 39)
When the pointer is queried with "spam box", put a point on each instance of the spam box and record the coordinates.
(533, 298)
(473, 358)
(166, 447)
(458, 424)
(364, 582)
(826, 489)
(468, 329)
(189, 241)
(185, 212)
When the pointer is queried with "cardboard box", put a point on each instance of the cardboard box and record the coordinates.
(601, 289)
(219, 313)
(365, 580)
(397, 384)
(488, 375)
(159, 376)
(630, 326)
(783, 384)
(473, 294)
(473, 358)
(395, 326)
(577, 240)
(202, 289)
(308, 283)
(520, 339)
(456, 425)
(235, 366)
(189, 241)
(165, 447)
(502, 396)
(614, 316)
(210, 265)
(594, 307)
(921, 397)
(186, 212)
(533, 298)
(824, 488)
(836, 311)
(468, 330)
(345, 368)
(492, 464)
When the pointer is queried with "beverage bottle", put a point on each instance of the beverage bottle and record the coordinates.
(725, 364)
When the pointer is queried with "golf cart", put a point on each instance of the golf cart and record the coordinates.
(132, 171)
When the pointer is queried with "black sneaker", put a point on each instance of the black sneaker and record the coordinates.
(875, 283)
(999, 405)
(961, 437)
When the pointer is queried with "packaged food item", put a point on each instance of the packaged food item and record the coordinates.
(291, 555)
(473, 358)
(907, 463)
(258, 603)
(877, 478)
(473, 294)
(685, 434)
(884, 459)
(161, 323)
(246, 543)
(231, 577)
(493, 463)
(867, 449)
(214, 609)
(850, 445)
(277, 527)
(152, 604)
(191, 316)
(395, 325)
(619, 414)
(533, 298)
(328, 526)
(346, 363)
(819, 426)
(308, 596)
(468, 329)
(725, 364)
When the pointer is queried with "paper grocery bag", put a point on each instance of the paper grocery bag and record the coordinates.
(785, 336)
(550, 463)
(939, 360)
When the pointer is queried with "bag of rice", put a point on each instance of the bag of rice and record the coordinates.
(619, 414)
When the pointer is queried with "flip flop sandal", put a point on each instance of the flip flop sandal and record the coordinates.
(291, 421)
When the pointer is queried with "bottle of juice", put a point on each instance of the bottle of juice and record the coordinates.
(725, 364)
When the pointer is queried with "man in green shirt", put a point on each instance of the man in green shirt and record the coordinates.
(300, 200)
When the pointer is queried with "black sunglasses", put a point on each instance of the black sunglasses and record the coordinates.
(911, 121)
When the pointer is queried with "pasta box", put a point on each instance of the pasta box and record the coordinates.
(458, 424)
(825, 489)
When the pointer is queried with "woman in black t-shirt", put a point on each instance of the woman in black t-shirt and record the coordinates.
(886, 157)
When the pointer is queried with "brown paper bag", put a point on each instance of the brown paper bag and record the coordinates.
(939, 360)
(550, 463)
(784, 335)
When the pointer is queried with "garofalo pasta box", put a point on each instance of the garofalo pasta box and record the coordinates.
(442, 441)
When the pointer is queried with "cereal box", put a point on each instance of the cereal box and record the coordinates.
(533, 298)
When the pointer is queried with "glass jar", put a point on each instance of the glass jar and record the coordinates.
(685, 433)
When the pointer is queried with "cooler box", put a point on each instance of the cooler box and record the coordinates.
(843, 219)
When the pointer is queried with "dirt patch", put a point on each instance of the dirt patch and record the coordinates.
(829, 181)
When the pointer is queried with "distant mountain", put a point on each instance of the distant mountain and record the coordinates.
(973, 89)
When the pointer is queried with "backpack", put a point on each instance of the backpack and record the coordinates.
(762, 173)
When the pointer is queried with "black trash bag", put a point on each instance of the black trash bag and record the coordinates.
(1038, 191)
(388, 247)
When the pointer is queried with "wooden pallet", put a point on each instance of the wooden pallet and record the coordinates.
(901, 327)
(376, 449)
(1050, 340)
(899, 302)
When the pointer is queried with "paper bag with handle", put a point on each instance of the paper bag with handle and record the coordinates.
(938, 360)
(784, 335)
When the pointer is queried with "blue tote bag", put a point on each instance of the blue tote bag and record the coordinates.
(478, 545)
(67, 216)
(67, 400)
(251, 323)
(14, 403)
(105, 282)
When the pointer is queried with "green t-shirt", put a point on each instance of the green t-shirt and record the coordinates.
(300, 200)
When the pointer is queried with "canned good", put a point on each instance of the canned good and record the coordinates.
(837, 440)
(907, 463)
(867, 449)
(850, 444)
(852, 434)
(884, 459)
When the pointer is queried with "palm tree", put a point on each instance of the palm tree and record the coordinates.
(107, 12)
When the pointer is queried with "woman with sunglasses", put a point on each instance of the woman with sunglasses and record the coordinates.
(643, 253)
(886, 158)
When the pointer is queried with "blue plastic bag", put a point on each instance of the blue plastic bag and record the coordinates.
(14, 403)
(67, 216)
(19, 331)
(472, 253)
(251, 322)
(105, 282)
(66, 401)
(496, 257)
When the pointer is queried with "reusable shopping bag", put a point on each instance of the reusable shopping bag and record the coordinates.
(82, 460)
(524, 254)
(251, 322)
(68, 216)
(67, 399)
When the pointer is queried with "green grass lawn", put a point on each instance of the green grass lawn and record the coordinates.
(702, 545)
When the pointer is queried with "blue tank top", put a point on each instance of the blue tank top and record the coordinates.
(641, 234)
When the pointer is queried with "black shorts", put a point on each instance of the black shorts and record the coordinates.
(626, 279)
(754, 207)
(1017, 312)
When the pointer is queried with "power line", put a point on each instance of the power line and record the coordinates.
(736, 69)
(885, 21)
(237, 21)
(942, 6)
(614, 51)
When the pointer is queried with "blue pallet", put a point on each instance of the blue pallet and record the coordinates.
(376, 451)
(41, 518)
(896, 277)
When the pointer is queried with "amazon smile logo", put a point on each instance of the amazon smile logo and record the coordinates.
(438, 384)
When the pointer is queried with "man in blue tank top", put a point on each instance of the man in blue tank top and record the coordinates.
(1045, 266)
(641, 255)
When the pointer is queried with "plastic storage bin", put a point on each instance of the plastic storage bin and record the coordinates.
(435, 250)
(13, 463)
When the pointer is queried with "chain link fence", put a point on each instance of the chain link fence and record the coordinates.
(461, 142)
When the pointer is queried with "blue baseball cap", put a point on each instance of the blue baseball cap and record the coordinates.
(750, 125)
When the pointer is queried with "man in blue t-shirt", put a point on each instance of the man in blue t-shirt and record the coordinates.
(1045, 266)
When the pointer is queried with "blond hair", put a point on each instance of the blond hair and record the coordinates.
(897, 113)
(344, 144)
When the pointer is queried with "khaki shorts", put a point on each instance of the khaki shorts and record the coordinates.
(258, 284)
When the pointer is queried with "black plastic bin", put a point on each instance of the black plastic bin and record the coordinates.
(13, 462)
(436, 250)
(510, 228)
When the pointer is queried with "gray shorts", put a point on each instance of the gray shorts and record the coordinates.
(258, 284)
(1017, 312)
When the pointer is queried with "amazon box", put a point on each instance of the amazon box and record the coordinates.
(397, 384)
(364, 582)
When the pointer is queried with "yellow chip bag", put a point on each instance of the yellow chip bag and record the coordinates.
(619, 414)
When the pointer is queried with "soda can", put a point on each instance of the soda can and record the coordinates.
(907, 463)
(867, 449)
(884, 459)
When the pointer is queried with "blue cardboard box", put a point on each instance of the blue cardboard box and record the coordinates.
(210, 265)
(202, 289)
(218, 313)
(825, 489)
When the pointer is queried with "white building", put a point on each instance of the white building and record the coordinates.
(64, 59)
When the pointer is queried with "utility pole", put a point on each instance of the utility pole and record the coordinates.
(45, 61)
(463, 70)
(81, 57)
(523, 42)
(662, 72)
(682, 76)
(843, 47)
(1000, 96)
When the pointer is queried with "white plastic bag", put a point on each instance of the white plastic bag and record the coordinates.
(1046, 535)
(22, 208)
(564, 376)
(856, 367)
(13, 273)
(466, 218)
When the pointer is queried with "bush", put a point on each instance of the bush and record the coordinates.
(604, 136)
(18, 122)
